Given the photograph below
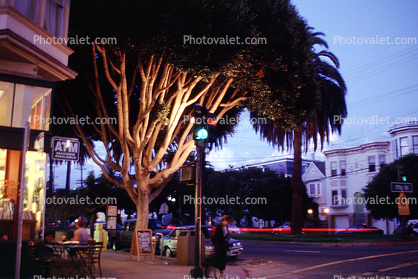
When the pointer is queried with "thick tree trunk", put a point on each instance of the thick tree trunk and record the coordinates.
(297, 186)
(142, 206)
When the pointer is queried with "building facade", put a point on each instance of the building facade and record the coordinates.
(33, 58)
(348, 170)
(315, 182)
(283, 166)
(351, 169)
(403, 139)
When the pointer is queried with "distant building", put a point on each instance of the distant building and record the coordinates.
(283, 166)
(315, 182)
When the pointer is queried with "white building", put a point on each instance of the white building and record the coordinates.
(404, 139)
(315, 181)
(349, 170)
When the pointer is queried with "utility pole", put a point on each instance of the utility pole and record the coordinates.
(20, 204)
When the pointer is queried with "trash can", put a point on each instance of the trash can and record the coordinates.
(186, 247)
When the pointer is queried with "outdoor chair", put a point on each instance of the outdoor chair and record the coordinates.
(38, 262)
(93, 254)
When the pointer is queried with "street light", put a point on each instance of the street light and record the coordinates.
(310, 211)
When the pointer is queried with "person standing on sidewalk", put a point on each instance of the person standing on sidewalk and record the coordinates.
(220, 242)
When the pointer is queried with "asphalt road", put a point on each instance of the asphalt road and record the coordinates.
(377, 262)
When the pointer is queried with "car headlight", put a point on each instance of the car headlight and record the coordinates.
(236, 244)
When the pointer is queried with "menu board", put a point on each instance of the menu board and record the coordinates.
(142, 244)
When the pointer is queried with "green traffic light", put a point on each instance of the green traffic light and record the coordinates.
(404, 178)
(202, 134)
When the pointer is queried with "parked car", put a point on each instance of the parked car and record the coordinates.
(123, 238)
(284, 228)
(170, 242)
(361, 229)
(414, 224)
(119, 226)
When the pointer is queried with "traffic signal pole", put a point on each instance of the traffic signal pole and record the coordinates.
(197, 271)
(204, 130)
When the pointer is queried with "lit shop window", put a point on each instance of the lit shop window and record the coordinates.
(20, 103)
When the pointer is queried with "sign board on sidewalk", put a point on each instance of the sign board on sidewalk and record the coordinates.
(142, 244)
(403, 206)
(401, 187)
(67, 149)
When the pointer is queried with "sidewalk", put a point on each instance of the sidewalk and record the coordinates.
(117, 265)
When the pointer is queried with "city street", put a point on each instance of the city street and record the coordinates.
(292, 261)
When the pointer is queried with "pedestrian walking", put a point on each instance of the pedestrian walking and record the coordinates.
(220, 237)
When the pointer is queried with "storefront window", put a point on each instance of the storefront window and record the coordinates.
(8, 183)
(2, 175)
(35, 185)
(35, 175)
(20, 103)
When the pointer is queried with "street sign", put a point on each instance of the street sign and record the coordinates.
(67, 149)
(187, 174)
(401, 187)
(403, 206)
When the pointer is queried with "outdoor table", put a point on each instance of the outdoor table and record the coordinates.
(56, 247)
(77, 259)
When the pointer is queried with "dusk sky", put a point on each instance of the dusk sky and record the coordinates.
(376, 44)
(381, 78)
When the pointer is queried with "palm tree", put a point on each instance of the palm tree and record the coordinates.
(332, 91)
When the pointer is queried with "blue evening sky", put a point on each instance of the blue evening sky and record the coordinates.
(381, 77)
